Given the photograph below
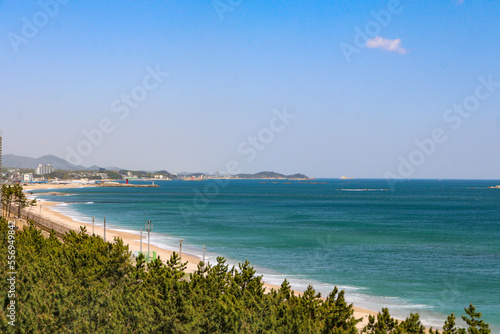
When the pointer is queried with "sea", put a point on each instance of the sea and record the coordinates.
(424, 246)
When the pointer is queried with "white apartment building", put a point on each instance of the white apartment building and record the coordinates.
(43, 170)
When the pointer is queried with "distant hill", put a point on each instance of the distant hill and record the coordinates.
(271, 175)
(15, 161)
(113, 168)
(260, 175)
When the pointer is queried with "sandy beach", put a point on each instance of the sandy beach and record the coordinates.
(45, 209)
(131, 239)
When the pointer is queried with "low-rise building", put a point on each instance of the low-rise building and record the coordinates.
(28, 177)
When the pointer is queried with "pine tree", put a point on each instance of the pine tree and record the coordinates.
(411, 325)
(476, 326)
(383, 324)
(449, 325)
(338, 315)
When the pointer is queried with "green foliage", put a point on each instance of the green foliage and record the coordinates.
(449, 326)
(85, 285)
(13, 194)
(113, 175)
(338, 315)
(384, 324)
(59, 174)
(476, 326)
(411, 325)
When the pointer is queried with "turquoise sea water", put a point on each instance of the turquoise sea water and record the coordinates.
(424, 246)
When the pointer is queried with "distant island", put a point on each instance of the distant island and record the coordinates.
(272, 175)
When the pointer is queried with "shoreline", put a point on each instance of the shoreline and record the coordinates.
(47, 210)
(133, 241)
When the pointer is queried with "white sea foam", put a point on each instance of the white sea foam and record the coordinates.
(172, 243)
(123, 230)
(67, 210)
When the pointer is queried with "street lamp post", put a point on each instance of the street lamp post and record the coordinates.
(148, 227)
(204, 254)
(140, 252)
(180, 248)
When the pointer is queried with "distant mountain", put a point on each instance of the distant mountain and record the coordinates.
(187, 173)
(271, 175)
(260, 175)
(15, 161)
(113, 168)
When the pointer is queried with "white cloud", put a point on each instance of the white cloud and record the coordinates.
(390, 45)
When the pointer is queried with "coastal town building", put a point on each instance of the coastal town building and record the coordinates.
(28, 177)
(44, 169)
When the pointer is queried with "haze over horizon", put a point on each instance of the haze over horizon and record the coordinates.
(368, 89)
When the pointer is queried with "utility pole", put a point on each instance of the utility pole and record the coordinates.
(93, 218)
(148, 227)
(104, 228)
(180, 248)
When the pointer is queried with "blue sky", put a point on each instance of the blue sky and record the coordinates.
(67, 67)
